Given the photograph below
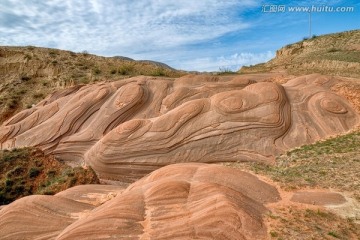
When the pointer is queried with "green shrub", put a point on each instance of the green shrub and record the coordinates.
(333, 234)
(126, 69)
(34, 172)
(9, 182)
(273, 234)
(97, 71)
(158, 72)
(226, 70)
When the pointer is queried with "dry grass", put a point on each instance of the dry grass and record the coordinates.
(333, 54)
(28, 171)
(45, 70)
(333, 163)
(299, 223)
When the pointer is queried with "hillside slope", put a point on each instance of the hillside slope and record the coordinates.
(332, 54)
(28, 74)
(143, 123)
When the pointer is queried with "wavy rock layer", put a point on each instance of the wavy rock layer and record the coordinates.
(129, 128)
(39, 217)
(181, 201)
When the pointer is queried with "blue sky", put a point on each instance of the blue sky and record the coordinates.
(202, 35)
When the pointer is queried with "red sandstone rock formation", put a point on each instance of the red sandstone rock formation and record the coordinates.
(181, 201)
(129, 128)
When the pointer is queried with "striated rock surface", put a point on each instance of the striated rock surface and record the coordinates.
(129, 128)
(94, 194)
(39, 217)
(181, 201)
(318, 198)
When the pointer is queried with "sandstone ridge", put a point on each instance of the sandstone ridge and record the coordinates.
(128, 128)
(181, 201)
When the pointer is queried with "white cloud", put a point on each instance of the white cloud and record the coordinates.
(231, 62)
(139, 29)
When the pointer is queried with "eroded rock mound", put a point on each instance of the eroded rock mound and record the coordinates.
(129, 128)
(39, 217)
(181, 201)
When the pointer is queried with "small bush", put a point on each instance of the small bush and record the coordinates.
(83, 80)
(12, 104)
(25, 78)
(333, 50)
(52, 54)
(97, 71)
(22, 91)
(72, 182)
(51, 173)
(225, 70)
(72, 54)
(28, 57)
(126, 69)
(20, 189)
(9, 182)
(333, 234)
(158, 72)
(38, 95)
(15, 172)
(274, 234)
(34, 172)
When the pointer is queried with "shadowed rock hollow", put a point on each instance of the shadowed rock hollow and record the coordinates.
(181, 201)
(129, 128)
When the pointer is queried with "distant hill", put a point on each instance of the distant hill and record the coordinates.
(28, 74)
(332, 54)
(158, 64)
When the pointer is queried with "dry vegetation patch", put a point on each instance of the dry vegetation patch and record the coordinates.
(332, 54)
(28, 171)
(332, 163)
(29, 74)
(300, 223)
